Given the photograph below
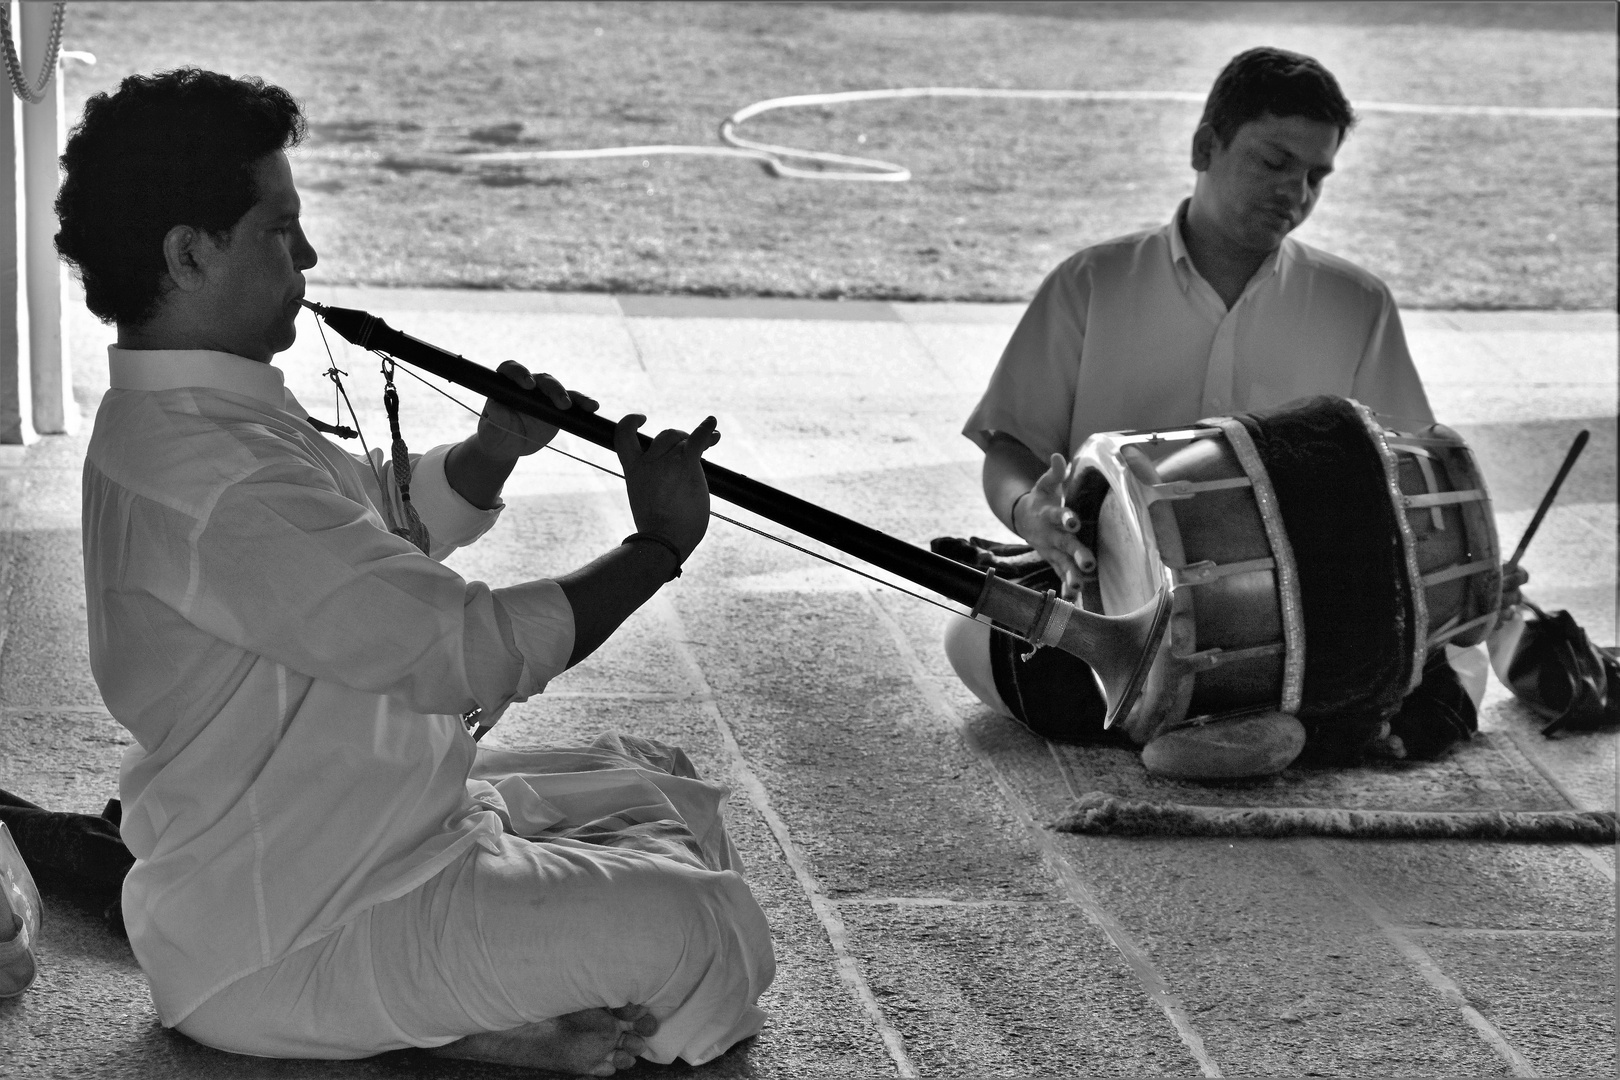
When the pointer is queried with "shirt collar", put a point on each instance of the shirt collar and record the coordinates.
(172, 369)
(1183, 263)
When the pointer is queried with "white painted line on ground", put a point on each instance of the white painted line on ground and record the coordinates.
(625, 695)
(1417, 956)
(849, 968)
(1136, 958)
(1543, 112)
(1490, 932)
(934, 901)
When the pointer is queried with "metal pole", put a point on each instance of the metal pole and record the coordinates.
(51, 378)
(16, 391)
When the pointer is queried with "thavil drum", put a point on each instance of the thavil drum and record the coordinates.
(1316, 558)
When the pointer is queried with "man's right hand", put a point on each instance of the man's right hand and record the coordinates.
(1042, 519)
(668, 493)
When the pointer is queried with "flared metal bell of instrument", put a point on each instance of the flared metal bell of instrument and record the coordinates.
(1120, 649)
(1124, 656)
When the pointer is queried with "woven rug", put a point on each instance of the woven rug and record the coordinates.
(1485, 788)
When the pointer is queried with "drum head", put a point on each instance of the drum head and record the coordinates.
(1123, 573)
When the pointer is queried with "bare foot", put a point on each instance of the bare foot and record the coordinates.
(591, 1042)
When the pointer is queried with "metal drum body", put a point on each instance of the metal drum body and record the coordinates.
(1193, 509)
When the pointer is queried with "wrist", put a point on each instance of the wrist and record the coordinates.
(658, 540)
(1012, 511)
(475, 475)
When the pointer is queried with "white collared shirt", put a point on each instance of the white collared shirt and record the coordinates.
(293, 672)
(1127, 335)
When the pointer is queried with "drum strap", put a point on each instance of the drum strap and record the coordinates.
(1202, 573)
(1461, 570)
(1442, 498)
(1440, 637)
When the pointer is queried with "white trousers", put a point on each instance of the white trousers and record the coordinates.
(522, 930)
(497, 940)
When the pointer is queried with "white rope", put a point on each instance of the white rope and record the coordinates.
(821, 165)
(33, 93)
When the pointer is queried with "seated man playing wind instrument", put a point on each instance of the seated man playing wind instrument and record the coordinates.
(1220, 311)
(327, 865)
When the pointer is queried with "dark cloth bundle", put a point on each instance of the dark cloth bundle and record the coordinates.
(81, 855)
(1557, 671)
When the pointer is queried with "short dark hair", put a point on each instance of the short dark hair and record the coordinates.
(1275, 82)
(176, 148)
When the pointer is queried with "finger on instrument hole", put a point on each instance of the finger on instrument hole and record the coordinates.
(554, 390)
(625, 443)
(665, 440)
(703, 436)
(583, 402)
(518, 374)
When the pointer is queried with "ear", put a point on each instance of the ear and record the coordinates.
(186, 252)
(1203, 145)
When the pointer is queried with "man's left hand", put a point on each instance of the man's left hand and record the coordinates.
(506, 433)
(1514, 578)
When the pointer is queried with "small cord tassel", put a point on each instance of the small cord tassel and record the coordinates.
(413, 529)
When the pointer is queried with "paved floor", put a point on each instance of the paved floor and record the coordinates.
(927, 922)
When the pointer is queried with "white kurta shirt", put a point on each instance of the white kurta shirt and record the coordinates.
(1127, 334)
(293, 673)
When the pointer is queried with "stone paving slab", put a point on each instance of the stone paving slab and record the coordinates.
(926, 923)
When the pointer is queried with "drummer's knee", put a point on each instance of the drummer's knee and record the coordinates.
(967, 647)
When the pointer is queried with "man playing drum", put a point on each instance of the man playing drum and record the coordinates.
(1219, 311)
(327, 865)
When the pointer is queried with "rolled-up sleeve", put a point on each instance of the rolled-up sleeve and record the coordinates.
(451, 520)
(1031, 393)
(1386, 380)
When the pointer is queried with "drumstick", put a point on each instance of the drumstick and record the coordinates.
(1552, 493)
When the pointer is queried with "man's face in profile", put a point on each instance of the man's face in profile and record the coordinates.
(1265, 182)
(256, 280)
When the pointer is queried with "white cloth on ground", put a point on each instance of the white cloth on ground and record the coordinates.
(293, 673)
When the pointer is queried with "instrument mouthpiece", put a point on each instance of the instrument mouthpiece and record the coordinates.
(319, 309)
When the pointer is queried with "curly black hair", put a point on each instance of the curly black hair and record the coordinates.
(176, 148)
(1275, 82)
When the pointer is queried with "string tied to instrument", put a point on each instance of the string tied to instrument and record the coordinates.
(413, 529)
